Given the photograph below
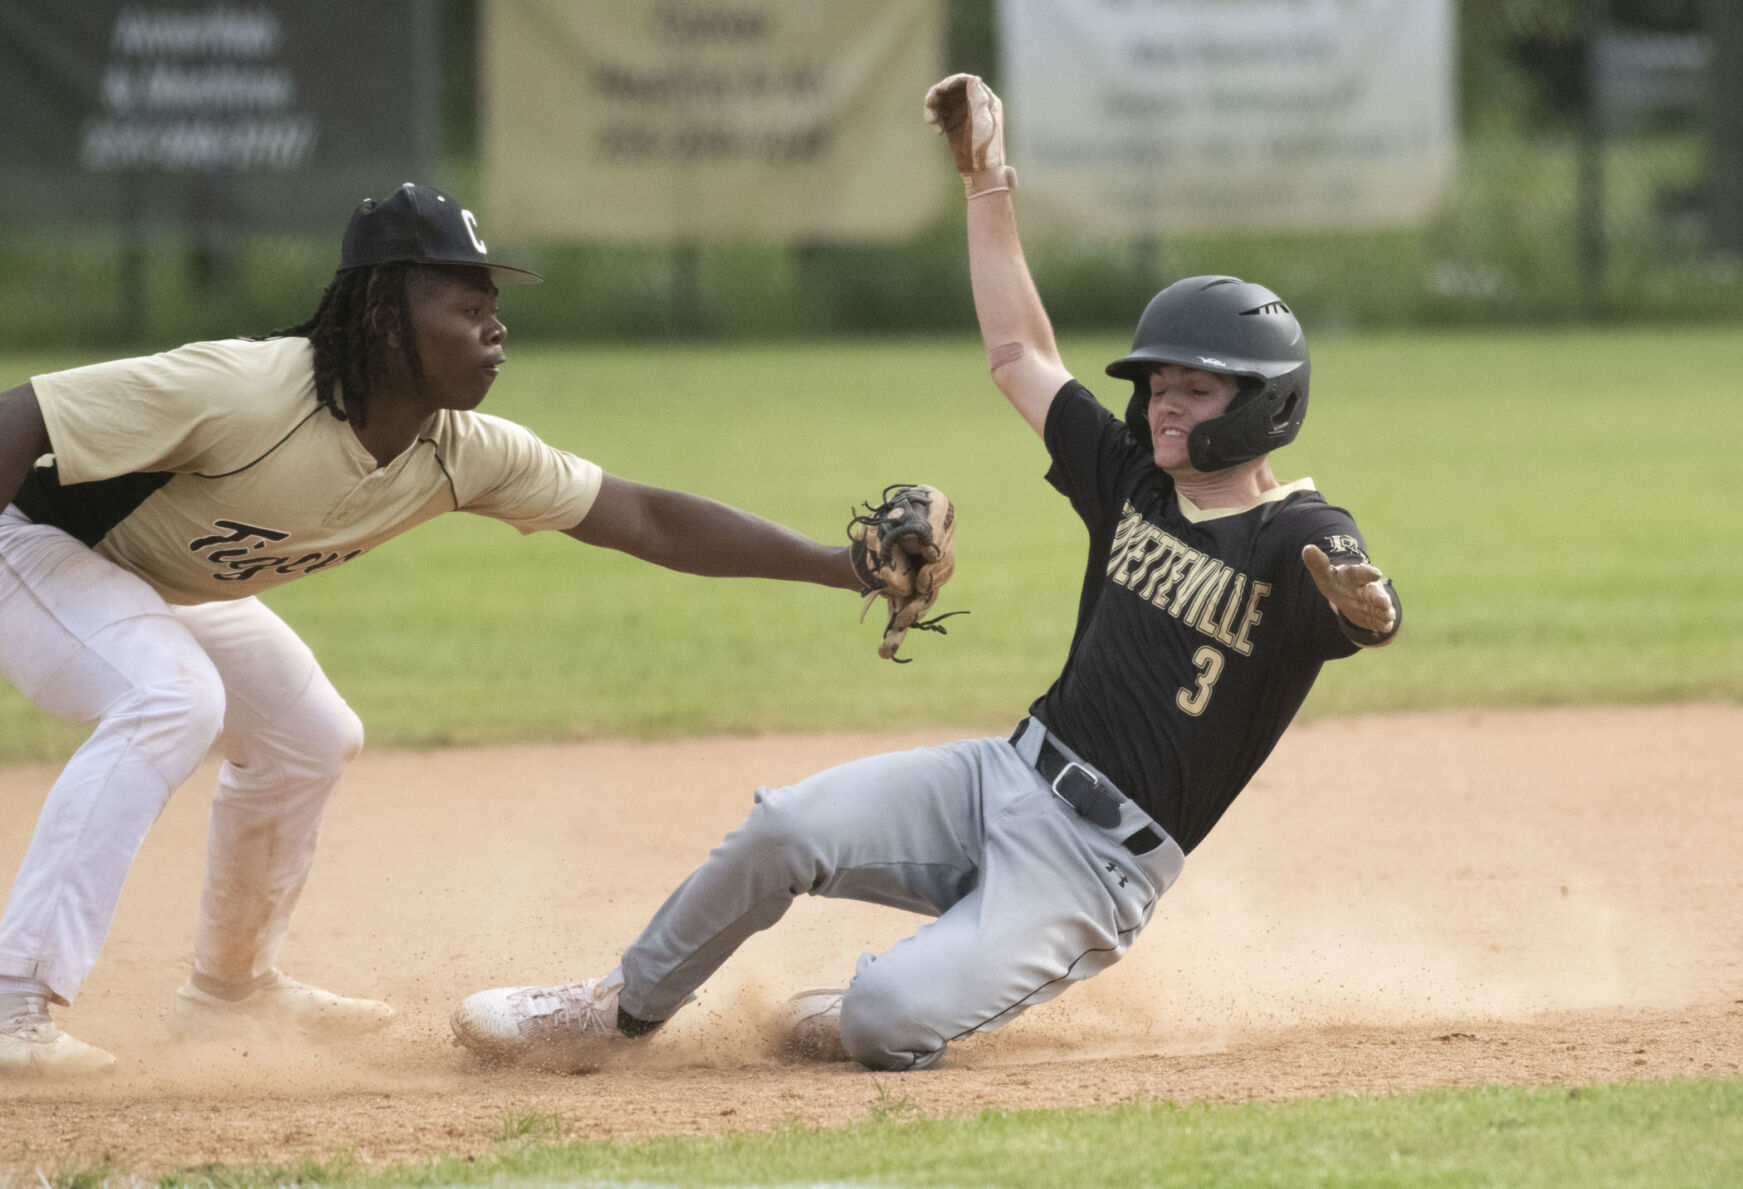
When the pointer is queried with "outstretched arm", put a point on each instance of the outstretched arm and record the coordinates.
(700, 536)
(1020, 348)
(23, 438)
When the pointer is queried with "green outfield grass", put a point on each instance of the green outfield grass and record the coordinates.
(1666, 1134)
(1553, 508)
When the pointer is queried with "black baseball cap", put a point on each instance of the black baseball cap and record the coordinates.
(420, 225)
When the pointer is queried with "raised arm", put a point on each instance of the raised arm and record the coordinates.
(23, 438)
(1020, 348)
(700, 536)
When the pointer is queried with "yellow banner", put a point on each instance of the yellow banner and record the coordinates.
(694, 120)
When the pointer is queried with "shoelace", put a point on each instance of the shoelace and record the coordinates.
(577, 1009)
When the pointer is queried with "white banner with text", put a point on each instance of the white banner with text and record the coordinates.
(1143, 117)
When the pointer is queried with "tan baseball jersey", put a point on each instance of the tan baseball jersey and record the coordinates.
(211, 472)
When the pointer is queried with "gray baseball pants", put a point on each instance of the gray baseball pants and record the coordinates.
(1028, 896)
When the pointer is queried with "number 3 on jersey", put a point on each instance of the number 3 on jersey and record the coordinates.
(1210, 666)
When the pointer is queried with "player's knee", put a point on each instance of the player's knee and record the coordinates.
(777, 830)
(334, 738)
(171, 721)
(306, 747)
(882, 1026)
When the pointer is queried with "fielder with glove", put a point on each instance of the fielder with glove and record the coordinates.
(1212, 594)
(144, 502)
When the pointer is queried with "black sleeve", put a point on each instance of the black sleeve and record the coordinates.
(1347, 548)
(1334, 530)
(1092, 451)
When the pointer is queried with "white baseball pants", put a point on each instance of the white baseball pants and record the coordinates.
(1029, 897)
(87, 641)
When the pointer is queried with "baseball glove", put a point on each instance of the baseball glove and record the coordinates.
(904, 550)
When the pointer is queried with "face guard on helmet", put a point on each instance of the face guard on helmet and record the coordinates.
(1227, 325)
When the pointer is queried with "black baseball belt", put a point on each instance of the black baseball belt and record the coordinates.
(1089, 796)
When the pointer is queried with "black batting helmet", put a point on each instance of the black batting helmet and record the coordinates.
(1227, 325)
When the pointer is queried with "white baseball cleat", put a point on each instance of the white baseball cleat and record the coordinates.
(31, 1045)
(572, 1027)
(280, 1007)
(810, 1026)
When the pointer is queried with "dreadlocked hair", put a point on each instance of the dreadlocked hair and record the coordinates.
(349, 335)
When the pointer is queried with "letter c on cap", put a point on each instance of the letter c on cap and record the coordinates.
(472, 230)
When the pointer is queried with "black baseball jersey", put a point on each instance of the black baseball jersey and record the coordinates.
(1199, 631)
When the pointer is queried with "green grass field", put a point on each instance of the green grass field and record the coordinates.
(1552, 508)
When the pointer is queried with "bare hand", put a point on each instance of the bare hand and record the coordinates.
(1357, 591)
(967, 113)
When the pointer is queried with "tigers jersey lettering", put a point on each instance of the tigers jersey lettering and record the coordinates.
(255, 485)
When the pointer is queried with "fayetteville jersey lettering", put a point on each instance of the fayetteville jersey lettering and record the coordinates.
(1199, 633)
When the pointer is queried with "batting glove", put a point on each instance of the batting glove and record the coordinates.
(966, 113)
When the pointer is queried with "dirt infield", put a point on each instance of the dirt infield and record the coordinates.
(1397, 902)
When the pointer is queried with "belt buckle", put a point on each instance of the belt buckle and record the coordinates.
(1095, 802)
(1072, 766)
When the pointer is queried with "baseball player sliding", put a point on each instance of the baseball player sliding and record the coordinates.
(1212, 594)
(144, 503)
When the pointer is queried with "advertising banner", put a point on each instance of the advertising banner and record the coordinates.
(1142, 117)
(273, 115)
(693, 120)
